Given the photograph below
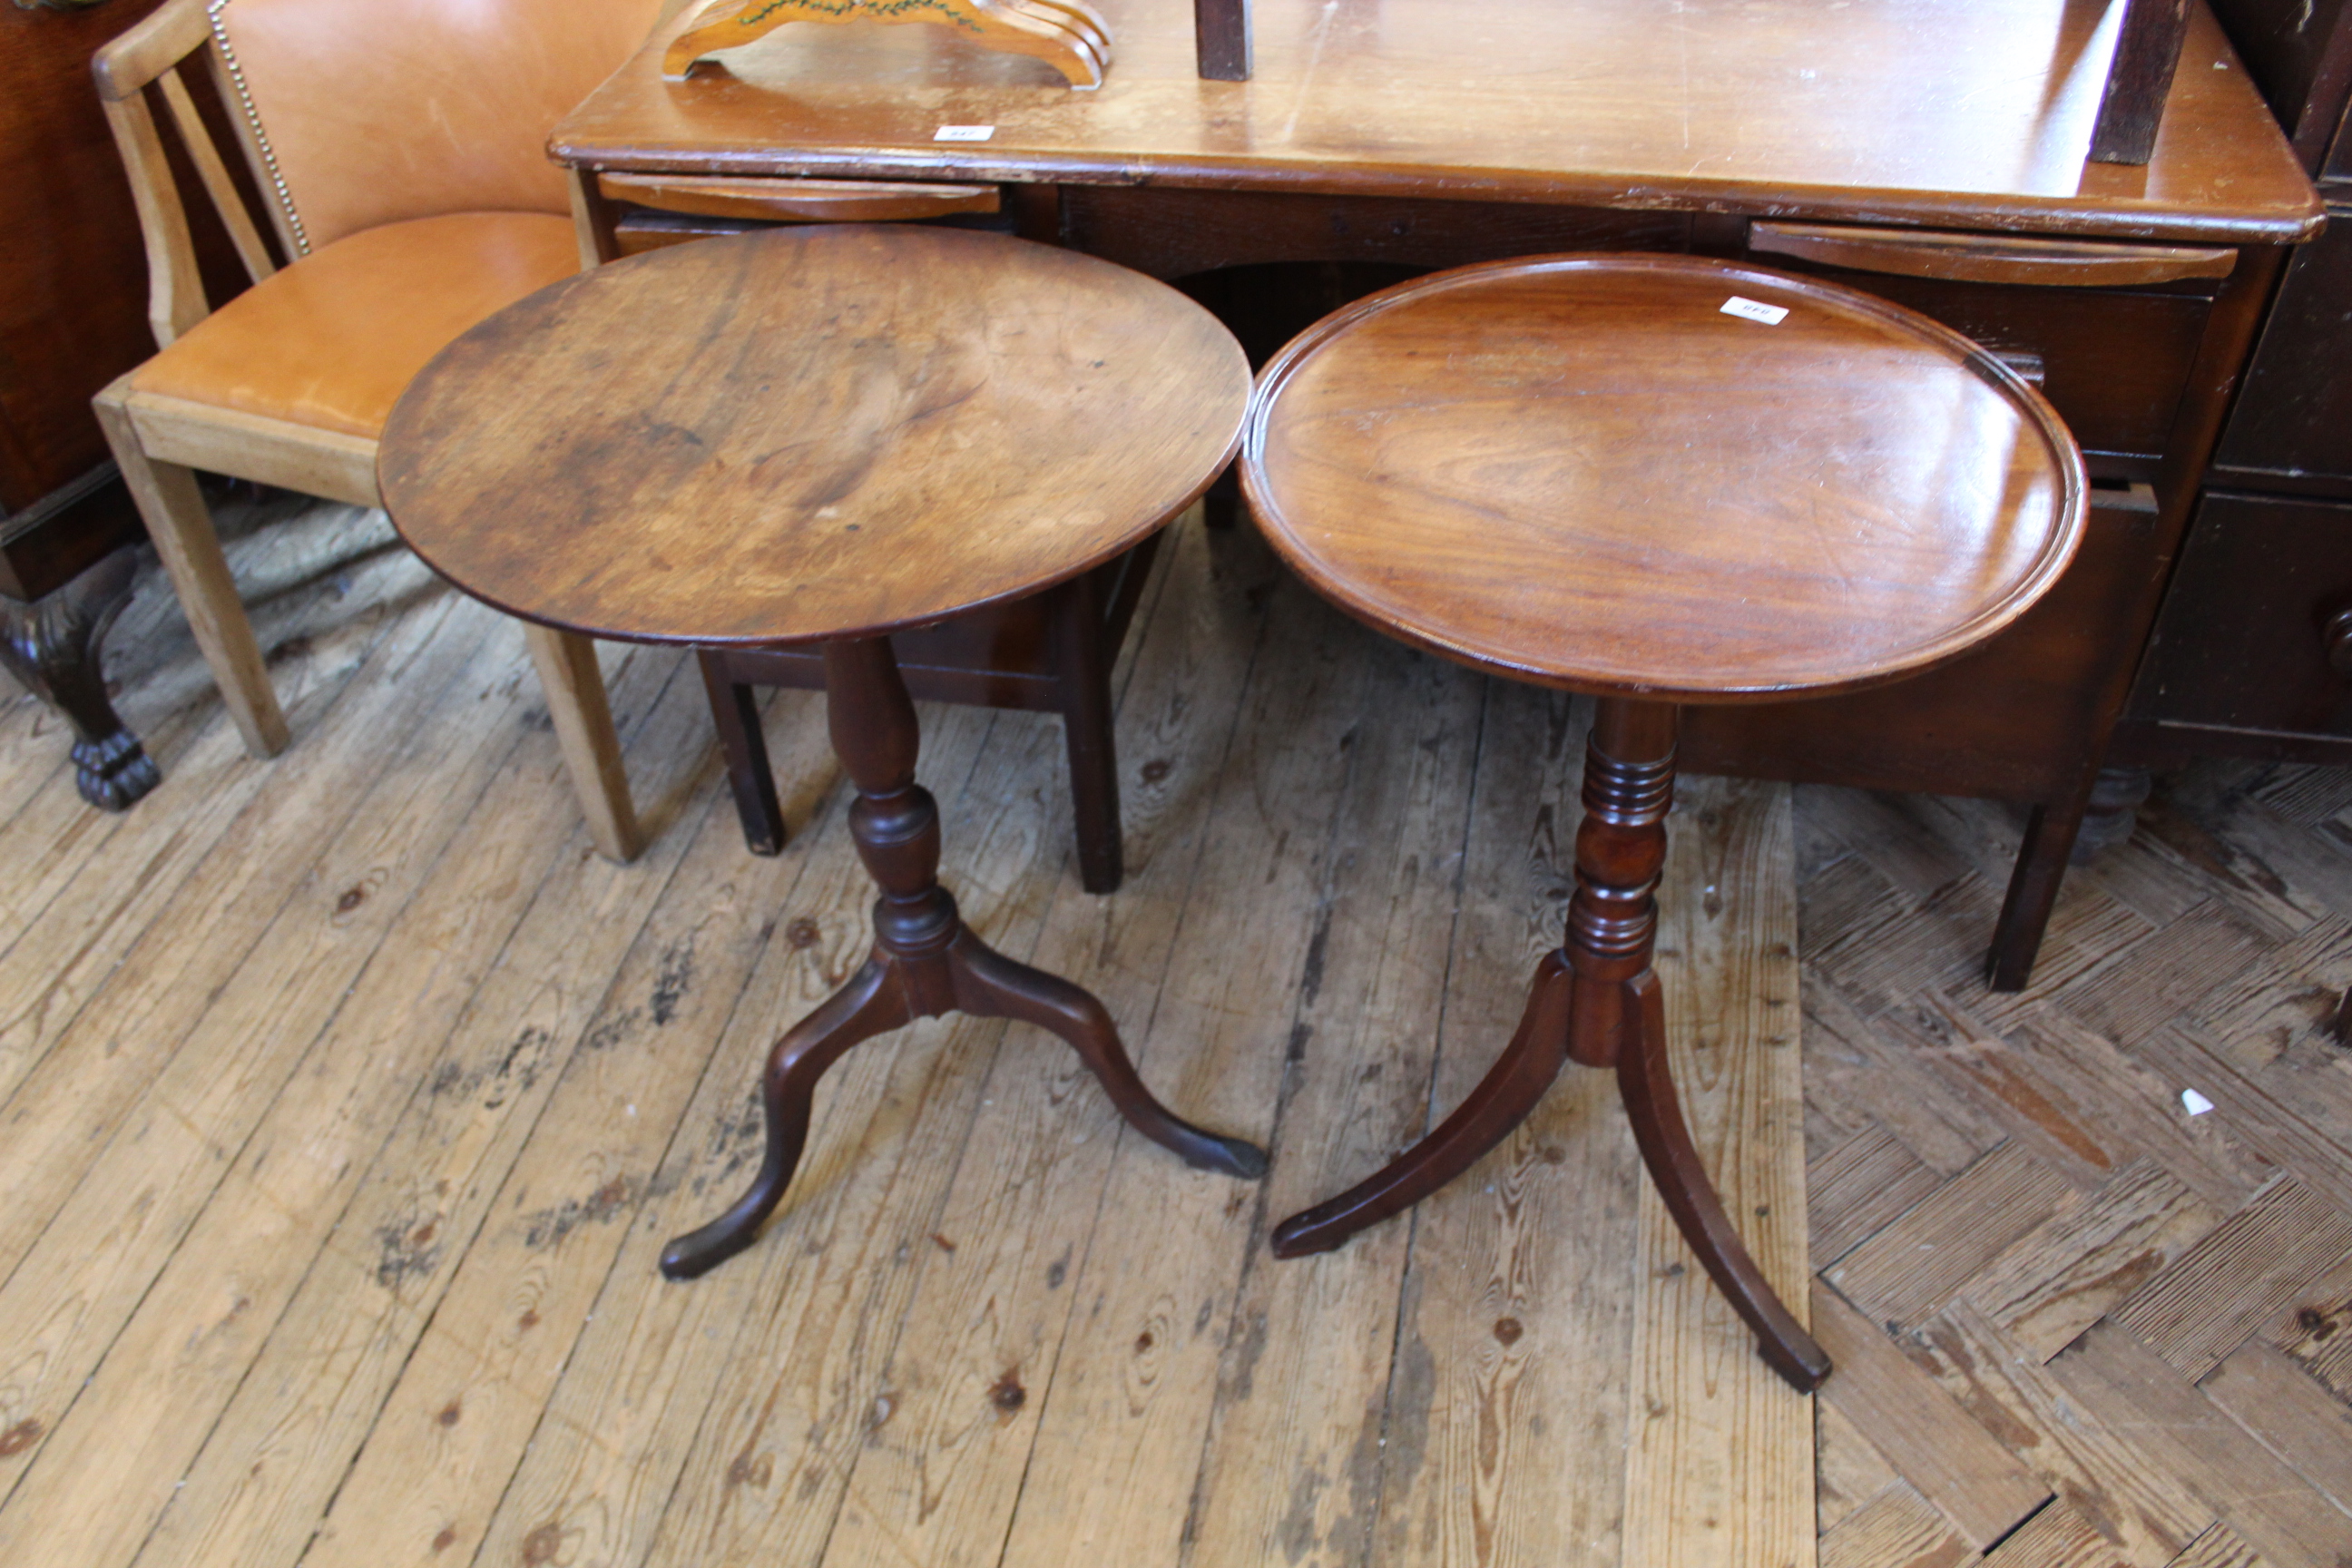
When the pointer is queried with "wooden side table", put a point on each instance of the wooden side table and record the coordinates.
(822, 437)
(1660, 481)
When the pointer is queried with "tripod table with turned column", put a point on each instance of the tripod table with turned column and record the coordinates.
(1659, 481)
(817, 438)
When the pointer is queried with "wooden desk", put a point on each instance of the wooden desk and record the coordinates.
(1434, 132)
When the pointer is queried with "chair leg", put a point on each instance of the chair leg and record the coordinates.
(583, 725)
(182, 527)
(1083, 676)
(740, 741)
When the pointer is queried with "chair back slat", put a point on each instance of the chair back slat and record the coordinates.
(145, 50)
(175, 291)
(226, 199)
(142, 64)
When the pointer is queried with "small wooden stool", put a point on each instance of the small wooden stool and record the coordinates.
(822, 437)
(1659, 481)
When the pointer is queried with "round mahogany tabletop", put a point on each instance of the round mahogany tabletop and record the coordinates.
(809, 434)
(1583, 471)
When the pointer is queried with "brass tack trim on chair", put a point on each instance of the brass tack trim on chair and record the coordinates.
(253, 123)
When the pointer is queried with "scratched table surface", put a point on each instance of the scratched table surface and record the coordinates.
(1969, 112)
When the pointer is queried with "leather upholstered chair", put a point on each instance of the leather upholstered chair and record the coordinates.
(399, 149)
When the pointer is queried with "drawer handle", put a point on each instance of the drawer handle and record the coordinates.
(1992, 258)
(817, 201)
(2335, 638)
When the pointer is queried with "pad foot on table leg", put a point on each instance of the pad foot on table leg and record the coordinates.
(1500, 1103)
(872, 1003)
(990, 985)
(1647, 1085)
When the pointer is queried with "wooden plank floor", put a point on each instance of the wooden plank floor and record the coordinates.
(346, 1099)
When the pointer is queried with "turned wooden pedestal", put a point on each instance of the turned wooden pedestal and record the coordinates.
(925, 961)
(1588, 473)
(811, 439)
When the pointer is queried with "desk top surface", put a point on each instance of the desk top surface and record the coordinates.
(1971, 113)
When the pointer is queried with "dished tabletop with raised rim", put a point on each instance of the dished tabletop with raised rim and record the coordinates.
(1583, 471)
(809, 434)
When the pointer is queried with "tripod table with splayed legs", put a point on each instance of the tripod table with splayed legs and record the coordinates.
(817, 437)
(1660, 481)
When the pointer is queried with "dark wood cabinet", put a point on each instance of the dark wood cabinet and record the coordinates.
(73, 315)
(2262, 584)
(2292, 427)
(2247, 657)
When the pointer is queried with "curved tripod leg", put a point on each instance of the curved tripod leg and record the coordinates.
(1500, 1103)
(872, 1003)
(991, 985)
(1652, 1105)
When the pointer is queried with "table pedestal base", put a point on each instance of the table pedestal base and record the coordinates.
(925, 962)
(1597, 1002)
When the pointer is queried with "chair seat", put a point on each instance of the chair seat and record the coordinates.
(332, 341)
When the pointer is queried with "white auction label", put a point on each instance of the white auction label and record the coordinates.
(964, 133)
(1755, 311)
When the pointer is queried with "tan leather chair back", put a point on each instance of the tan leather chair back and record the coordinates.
(369, 111)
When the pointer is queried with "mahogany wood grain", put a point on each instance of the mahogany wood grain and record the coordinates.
(1043, 652)
(817, 201)
(71, 289)
(820, 436)
(1597, 473)
(925, 962)
(1722, 510)
(795, 470)
(2236, 662)
(71, 319)
(1596, 1001)
(1992, 258)
(1051, 653)
(1782, 106)
(2116, 361)
(1354, 140)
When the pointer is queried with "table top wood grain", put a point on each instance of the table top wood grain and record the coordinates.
(1972, 113)
(1586, 472)
(809, 432)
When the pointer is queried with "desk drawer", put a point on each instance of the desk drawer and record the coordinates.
(2115, 326)
(648, 212)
